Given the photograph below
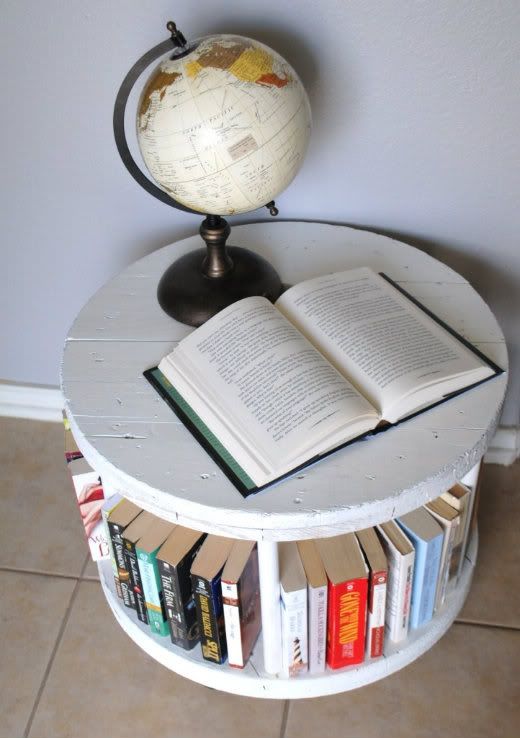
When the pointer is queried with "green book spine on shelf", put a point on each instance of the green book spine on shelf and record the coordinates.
(152, 589)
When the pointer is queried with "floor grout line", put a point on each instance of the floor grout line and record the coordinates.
(17, 570)
(285, 717)
(52, 657)
(485, 624)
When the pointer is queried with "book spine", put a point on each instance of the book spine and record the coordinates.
(446, 567)
(123, 575)
(182, 616)
(152, 592)
(376, 614)
(427, 563)
(347, 618)
(210, 615)
(294, 633)
(231, 606)
(105, 512)
(132, 565)
(317, 600)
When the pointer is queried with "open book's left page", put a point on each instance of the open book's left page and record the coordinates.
(266, 393)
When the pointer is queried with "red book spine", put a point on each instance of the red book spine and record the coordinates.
(347, 606)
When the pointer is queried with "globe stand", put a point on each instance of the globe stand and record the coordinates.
(201, 283)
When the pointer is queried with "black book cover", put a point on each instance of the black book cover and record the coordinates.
(116, 536)
(182, 616)
(132, 566)
(210, 616)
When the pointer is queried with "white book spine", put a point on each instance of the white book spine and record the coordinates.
(317, 628)
(232, 623)
(294, 632)
(398, 590)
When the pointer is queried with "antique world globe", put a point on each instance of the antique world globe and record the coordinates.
(223, 124)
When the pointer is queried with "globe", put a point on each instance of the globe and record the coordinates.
(223, 127)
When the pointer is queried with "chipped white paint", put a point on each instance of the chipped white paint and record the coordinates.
(141, 449)
(255, 681)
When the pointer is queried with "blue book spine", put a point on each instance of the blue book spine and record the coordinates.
(425, 575)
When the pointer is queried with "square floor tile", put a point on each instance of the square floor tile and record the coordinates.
(467, 686)
(31, 614)
(495, 596)
(103, 684)
(40, 526)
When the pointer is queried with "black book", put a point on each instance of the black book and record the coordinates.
(175, 558)
(270, 389)
(118, 520)
(206, 574)
(131, 536)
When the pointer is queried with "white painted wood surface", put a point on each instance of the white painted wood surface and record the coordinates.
(255, 681)
(141, 450)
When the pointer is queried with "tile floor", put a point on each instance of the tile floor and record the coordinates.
(67, 669)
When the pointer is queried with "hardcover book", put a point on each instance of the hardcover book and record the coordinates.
(347, 576)
(175, 558)
(400, 555)
(206, 573)
(131, 536)
(241, 602)
(293, 595)
(316, 604)
(336, 358)
(121, 516)
(427, 537)
(90, 497)
(449, 520)
(376, 605)
(146, 549)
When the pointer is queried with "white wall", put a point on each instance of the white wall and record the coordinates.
(416, 110)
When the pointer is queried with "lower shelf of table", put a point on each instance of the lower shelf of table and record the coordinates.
(252, 681)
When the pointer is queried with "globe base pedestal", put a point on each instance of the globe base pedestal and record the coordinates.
(189, 295)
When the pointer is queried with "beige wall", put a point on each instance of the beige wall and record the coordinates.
(416, 110)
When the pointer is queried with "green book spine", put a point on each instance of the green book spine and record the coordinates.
(153, 594)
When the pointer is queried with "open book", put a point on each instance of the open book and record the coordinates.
(269, 388)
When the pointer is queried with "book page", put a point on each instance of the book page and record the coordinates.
(396, 355)
(250, 372)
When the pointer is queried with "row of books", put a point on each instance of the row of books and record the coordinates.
(341, 598)
(194, 587)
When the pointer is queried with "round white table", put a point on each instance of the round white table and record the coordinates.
(141, 450)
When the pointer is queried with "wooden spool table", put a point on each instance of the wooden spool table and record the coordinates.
(141, 450)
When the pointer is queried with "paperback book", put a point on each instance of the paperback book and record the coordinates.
(294, 614)
(334, 359)
(91, 498)
(118, 519)
(400, 555)
(376, 604)
(427, 537)
(347, 575)
(131, 536)
(316, 604)
(241, 602)
(206, 574)
(175, 558)
(146, 549)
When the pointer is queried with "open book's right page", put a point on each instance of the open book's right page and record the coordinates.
(399, 358)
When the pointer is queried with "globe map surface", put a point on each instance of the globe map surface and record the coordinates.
(224, 129)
